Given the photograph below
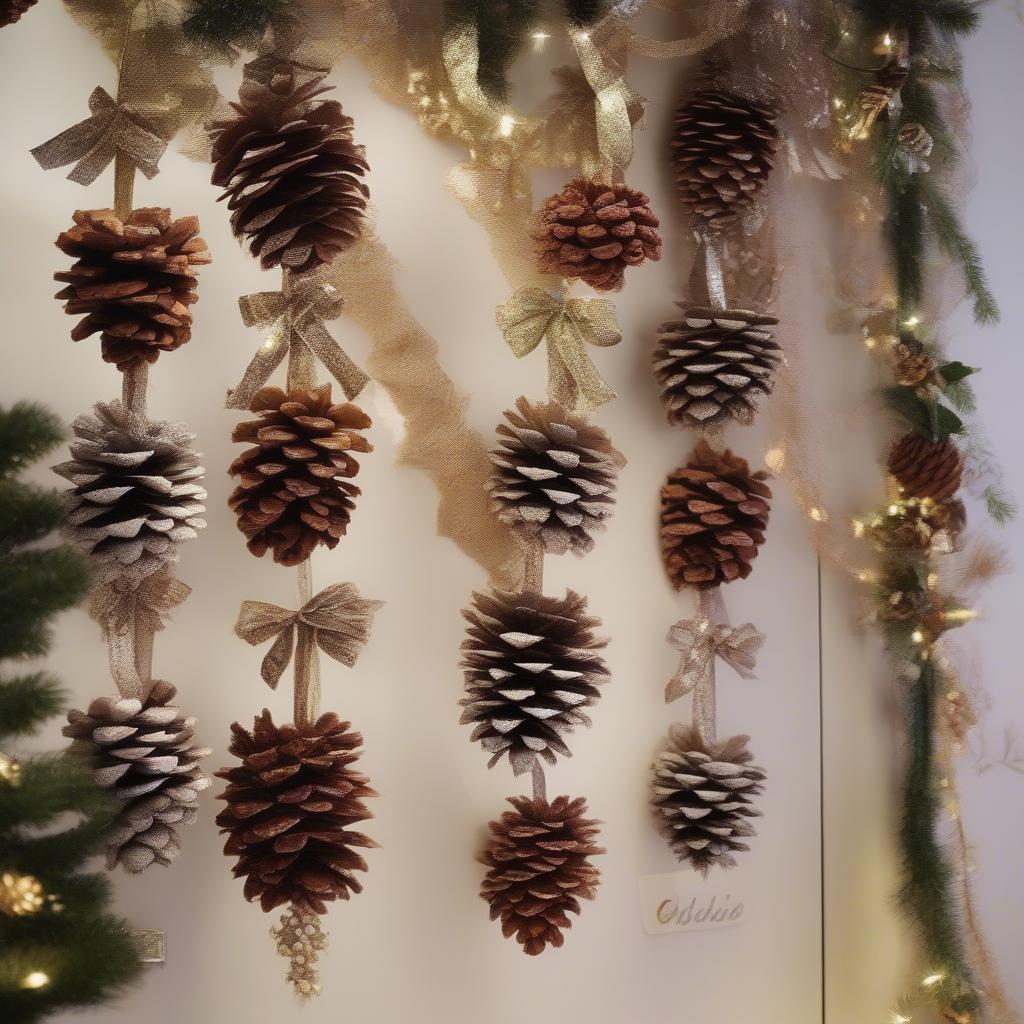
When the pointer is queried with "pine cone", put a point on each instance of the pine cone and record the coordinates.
(926, 469)
(723, 149)
(555, 476)
(142, 755)
(135, 280)
(714, 365)
(291, 172)
(291, 804)
(12, 10)
(539, 864)
(914, 369)
(915, 140)
(292, 494)
(138, 491)
(920, 524)
(594, 231)
(531, 668)
(714, 512)
(702, 797)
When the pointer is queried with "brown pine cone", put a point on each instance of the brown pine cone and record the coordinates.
(714, 512)
(920, 524)
(723, 149)
(714, 365)
(532, 666)
(291, 172)
(594, 231)
(539, 869)
(926, 469)
(292, 493)
(135, 280)
(12, 10)
(141, 754)
(702, 797)
(291, 805)
(914, 369)
(554, 477)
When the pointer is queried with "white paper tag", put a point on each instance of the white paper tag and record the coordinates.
(682, 901)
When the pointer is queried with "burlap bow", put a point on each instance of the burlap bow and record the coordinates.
(699, 641)
(533, 315)
(93, 143)
(296, 322)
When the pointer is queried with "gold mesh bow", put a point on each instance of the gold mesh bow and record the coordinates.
(699, 641)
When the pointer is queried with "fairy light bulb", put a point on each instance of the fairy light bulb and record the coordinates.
(506, 125)
(917, 636)
(35, 980)
(540, 37)
(819, 515)
(931, 980)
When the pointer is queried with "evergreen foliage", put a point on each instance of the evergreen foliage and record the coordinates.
(584, 13)
(227, 23)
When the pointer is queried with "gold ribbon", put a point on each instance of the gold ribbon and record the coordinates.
(533, 315)
(699, 641)
(295, 318)
(93, 143)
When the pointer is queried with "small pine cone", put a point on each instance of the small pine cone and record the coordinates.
(926, 469)
(723, 149)
(291, 805)
(714, 512)
(913, 367)
(714, 365)
(555, 476)
(142, 756)
(904, 606)
(292, 492)
(594, 231)
(532, 666)
(134, 280)
(291, 172)
(138, 491)
(915, 139)
(702, 797)
(539, 869)
(921, 524)
(12, 10)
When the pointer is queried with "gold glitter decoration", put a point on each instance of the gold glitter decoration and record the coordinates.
(21, 895)
(301, 940)
(10, 770)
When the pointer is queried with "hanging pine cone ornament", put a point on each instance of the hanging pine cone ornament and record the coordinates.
(539, 868)
(723, 149)
(12, 10)
(291, 804)
(293, 491)
(532, 666)
(703, 797)
(914, 368)
(142, 755)
(134, 279)
(926, 469)
(714, 365)
(594, 231)
(290, 172)
(714, 512)
(554, 476)
(137, 494)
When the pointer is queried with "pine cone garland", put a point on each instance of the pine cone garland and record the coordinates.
(714, 512)
(926, 469)
(723, 149)
(702, 797)
(532, 666)
(292, 491)
(290, 172)
(539, 869)
(134, 280)
(291, 804)
(138, 491)
(555, 476)
(714, 365)
(12, 10)
(142, 756)
(594, 231)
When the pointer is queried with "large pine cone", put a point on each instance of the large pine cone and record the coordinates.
(142, 756)
(291, 172)
(555, 476)
(539, 869)
(714, 365)
(714, 512)
(927, 469)
(594, 231)
(291, 805)
(138, 491)
(723, 149)
(292, 493)
(702, 797)
(12, 10)
(135, 280)
(531, 668)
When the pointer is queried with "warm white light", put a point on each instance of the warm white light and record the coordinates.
(858, 528)
(887, 41)
(506, 124)
(911, 321)
(819, 515)
(539, 39)
(36, 979)
(931, 979)
(269, 344)
(917, 636)
(894, 510)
